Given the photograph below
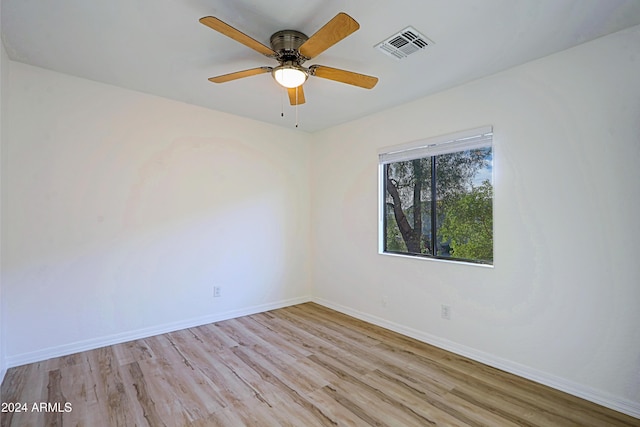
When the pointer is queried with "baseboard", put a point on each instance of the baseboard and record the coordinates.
(584, 392)
(66, 349)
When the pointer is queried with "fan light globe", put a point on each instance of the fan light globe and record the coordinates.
(289, 76)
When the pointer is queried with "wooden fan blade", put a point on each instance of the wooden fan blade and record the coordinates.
(296, 100)
(229, 31)
(240, 74)
(333, 31)
(343, 76)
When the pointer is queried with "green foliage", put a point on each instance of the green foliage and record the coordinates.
(468, 223)
(393, 236)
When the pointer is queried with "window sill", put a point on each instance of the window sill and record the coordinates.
(427, 258)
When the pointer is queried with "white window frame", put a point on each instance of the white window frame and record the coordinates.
(442, 144)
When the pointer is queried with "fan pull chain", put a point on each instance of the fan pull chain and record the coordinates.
(282, 104)
(297, 106)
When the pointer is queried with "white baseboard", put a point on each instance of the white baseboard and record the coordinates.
(66, 349)
(593, 395)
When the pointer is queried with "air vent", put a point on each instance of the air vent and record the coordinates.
(405, 43)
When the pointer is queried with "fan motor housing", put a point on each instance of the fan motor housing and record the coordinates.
(286, 43)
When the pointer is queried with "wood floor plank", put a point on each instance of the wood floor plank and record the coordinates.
(207, 364)
(131, 351)
(174, 376)
(276, 340)
(305, 365)
(109, 387)
(291, 394)
(30, 382)
(146, 402)
(215, 340)
(381, 335)
(55, 397)
(369, 395)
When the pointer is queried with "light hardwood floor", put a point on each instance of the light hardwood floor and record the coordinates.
(304, 365)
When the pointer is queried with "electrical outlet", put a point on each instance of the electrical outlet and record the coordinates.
(217, 291)
(445, 312)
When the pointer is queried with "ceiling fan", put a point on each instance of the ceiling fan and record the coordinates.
(291, 49)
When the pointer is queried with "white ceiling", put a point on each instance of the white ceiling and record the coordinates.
(159, 47)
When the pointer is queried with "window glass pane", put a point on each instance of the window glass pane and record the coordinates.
(465, 205)
(408, 206)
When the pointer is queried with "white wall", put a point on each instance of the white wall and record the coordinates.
(561, 304)
(3, 62)
(122, 211)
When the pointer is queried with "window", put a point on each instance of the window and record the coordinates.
(437, 197)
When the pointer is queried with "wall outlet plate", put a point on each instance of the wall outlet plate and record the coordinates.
(445, 312)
